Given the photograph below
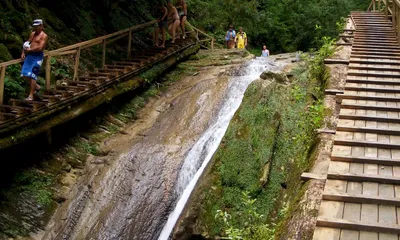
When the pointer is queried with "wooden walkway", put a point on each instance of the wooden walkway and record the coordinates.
(68, 96)
(361, 199)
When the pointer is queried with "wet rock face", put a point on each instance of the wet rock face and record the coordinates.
(133, 194)
(277, 76)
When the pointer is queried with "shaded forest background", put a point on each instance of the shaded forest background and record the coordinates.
(284, 25)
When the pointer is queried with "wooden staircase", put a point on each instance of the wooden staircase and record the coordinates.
(361, 198)
(91, 81)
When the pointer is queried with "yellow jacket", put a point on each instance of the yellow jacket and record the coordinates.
(241, 39)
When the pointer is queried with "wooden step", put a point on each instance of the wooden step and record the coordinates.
(369, 107)
(374, 36)
(374, 23)
(73, 88)
(373, 68)
(373, 89)
(131, 62)
(118, 67)
(366, 160)
(369, 118)
(377, 82)
(35, 105)
(376, 62)
(360, 198)
(63, 93)
(366, 44)
(369, 130)
(363, 178)
(50, 98)
(354, 55)
(82, 83)
(368, 54)
(17, 110)
(368, 98)
(88, 78)
(355, 143)
(373, 49)
(116, 71)
(5, 116)
(101, 74)
(358, 226)
(368, 74)
(375, 29)
(376, 46)
(375, 39)
(380, 27)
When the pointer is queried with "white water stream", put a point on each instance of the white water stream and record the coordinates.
(201, 153)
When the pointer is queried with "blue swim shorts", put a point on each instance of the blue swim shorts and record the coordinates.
(32, 64)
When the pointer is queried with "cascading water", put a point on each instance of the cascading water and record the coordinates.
(201, 153)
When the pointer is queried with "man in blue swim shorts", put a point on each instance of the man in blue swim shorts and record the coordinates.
(32, 54)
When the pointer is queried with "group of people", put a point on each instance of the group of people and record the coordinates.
(233, 40)
(239, 40)
(170, 17)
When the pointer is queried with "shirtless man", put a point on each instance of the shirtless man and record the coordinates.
(32, 54)
(173, 20)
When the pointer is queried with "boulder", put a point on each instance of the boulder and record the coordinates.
(278, 77)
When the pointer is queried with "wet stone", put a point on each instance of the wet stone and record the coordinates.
(66, 167)
(278, 77)
(62, 194)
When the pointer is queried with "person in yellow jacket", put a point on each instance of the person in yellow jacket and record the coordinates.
(241, 39)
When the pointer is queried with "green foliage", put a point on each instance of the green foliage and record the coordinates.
(37, 184)
(253, 226)
(91, 148)
(273, 129)
(283, 25)
(318, 70)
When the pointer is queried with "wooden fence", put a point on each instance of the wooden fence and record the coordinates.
(76, 49)
(391, 8)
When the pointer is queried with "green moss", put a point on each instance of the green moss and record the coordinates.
(272, 125)
(4, 53)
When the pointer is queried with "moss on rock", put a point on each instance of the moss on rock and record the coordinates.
(4, 53)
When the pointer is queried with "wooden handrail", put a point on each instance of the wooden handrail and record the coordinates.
(73, 48)
(203, 33)
(82, 44)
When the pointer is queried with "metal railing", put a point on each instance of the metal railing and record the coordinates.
(76, 49)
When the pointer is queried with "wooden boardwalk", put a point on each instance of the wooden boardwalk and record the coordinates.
(361, 199)
(65, 99)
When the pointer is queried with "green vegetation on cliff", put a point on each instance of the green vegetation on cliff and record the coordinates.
(283, 25)
(269, 143)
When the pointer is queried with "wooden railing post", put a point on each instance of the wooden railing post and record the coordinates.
(129, 44)
(212, 44)
(197, 35)
(394, 18)
(103, 59)
(379, 5)
(386, 9)
(76, 67)
(2, 80)
(397, 25)
(48, 72)
(374, 5)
